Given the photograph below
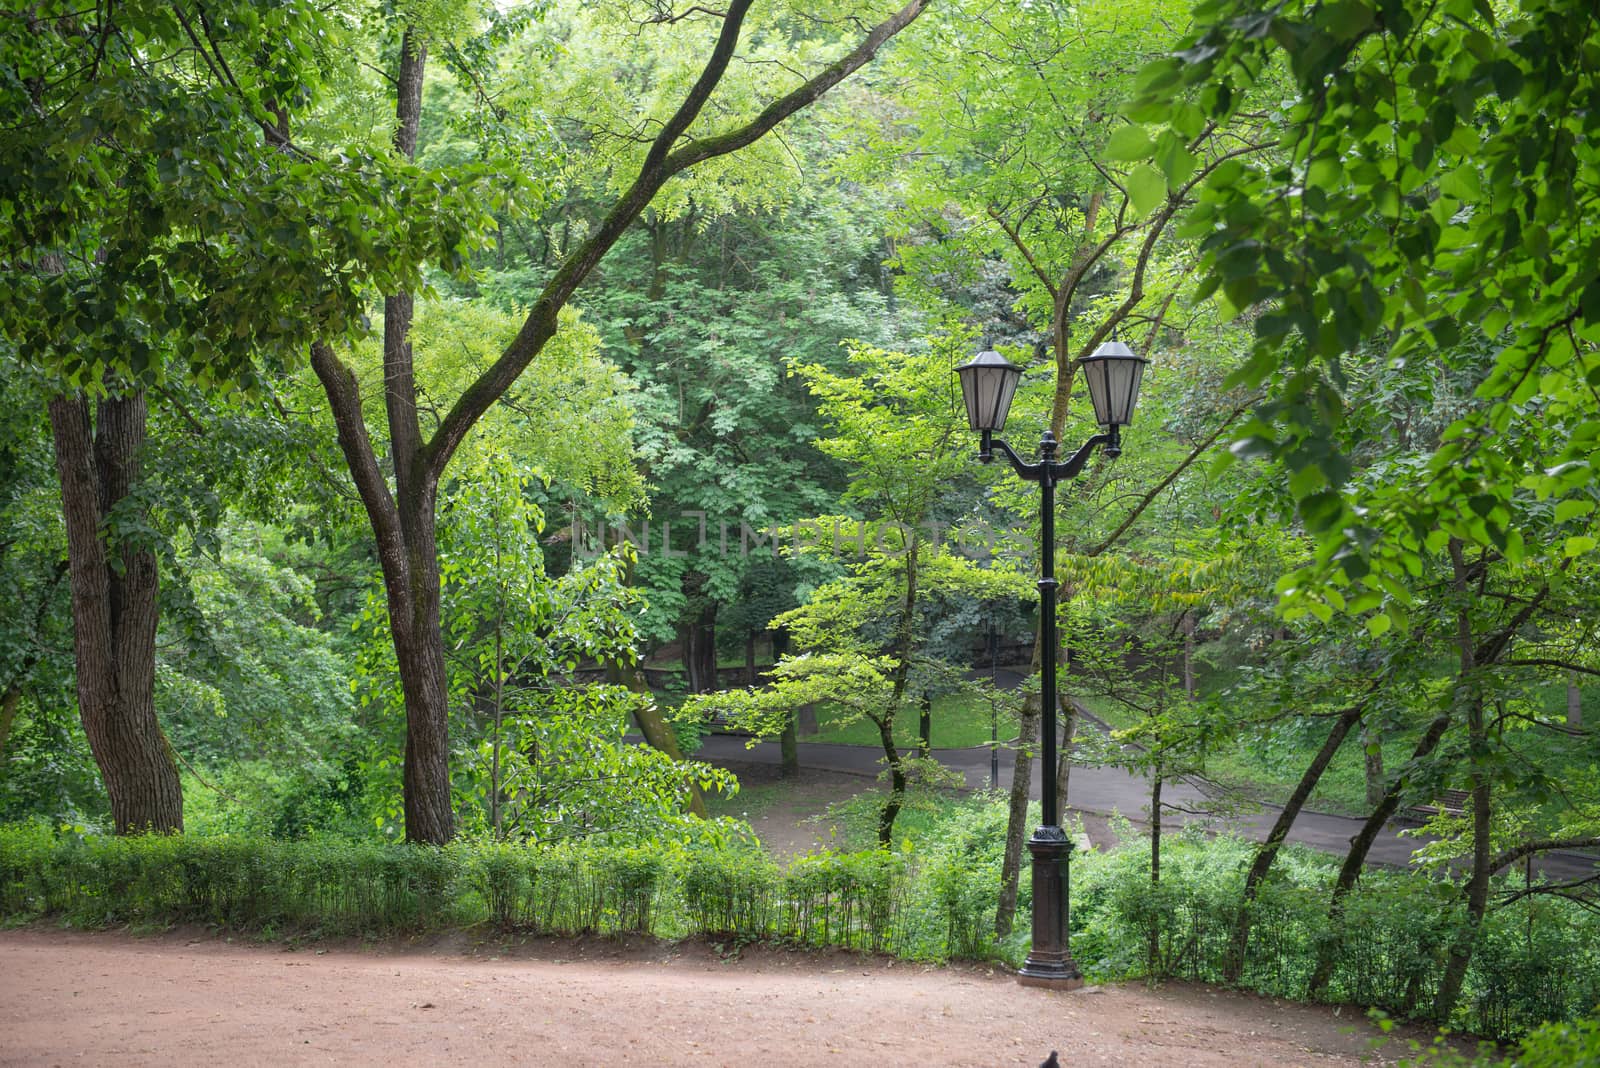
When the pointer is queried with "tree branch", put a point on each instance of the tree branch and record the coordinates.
(1016, 239)
(1562, 664)
(344, 400)
(660, 164)
(1146, 500)
(1541, 845)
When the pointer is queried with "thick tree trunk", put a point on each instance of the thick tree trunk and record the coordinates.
(1239, 944)
(925, 728)
(114, 613)
(413, 589)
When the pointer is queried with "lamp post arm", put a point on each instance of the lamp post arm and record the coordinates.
(1030, 472)
(1111, 439)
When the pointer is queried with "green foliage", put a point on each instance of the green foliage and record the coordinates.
(544, 754)
(1534, 961)
(167, 225)
(1427, 206)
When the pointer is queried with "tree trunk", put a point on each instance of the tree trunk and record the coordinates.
(114, 612)
(1067, 709)
(1355, 860)
(1574, 702)
(897, 782)
(1017, 815)
(419, 653)
(1470, 694)
(411, 568)
(1239, 945)
(656, 730)
(789, 750)
(751, 676)
(1477, 889)
(8, 715)
(1372, 752)
(1153, 942)
(700, 647)
(925, 728)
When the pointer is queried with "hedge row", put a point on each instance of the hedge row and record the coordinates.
(1536, 960)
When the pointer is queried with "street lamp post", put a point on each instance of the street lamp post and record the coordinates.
(988, 383)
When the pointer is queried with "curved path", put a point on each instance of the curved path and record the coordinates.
(1105, 790)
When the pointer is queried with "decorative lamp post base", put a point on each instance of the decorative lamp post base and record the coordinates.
(1050, 962)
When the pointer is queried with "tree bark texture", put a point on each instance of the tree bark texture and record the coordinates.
(114, 589)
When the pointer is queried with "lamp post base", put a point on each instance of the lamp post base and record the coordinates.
(1050, 962)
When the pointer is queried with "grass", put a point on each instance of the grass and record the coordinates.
(923, 821)
(1268, 766)
(958, 722)
(752, 801)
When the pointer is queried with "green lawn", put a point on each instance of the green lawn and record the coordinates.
(1269, 766)
(958, 722)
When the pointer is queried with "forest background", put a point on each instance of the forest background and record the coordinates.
(334, 336)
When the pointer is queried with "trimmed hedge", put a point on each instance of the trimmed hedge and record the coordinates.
(1537, 960)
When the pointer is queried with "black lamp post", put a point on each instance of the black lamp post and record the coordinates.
(988, 383)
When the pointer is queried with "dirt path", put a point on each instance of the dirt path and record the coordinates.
(75, 998)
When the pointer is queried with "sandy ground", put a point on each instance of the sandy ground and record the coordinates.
(191, 998)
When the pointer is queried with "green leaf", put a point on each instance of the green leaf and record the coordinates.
(1146, 189)
(1572, 508)
(1462, 183)
(1129, 143)
(1379, 624)
(1578, 545)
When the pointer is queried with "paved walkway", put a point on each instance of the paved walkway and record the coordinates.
(1107, 790)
